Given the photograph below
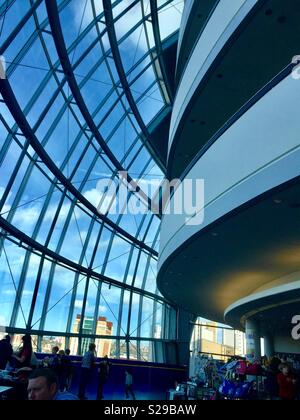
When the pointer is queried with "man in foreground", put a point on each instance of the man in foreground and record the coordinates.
(43, 386)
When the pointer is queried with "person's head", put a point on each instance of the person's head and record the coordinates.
(42, 385)
(274, 363)
(61, 352)
(285, 368)
(26, 339)
(68, 352)
(55, 350)
(7, 338)
(92, 347)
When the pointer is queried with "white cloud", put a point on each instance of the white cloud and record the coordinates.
(16, 257)
(95, 197)
(11, 292)
(122, 26)
(83, 13)
(102, 174)
(50, 213)
(103, 244)
(8, 292)
(89, 308)
(170, 18)
(64, 278)
(129, 21)
(6, 208)
(27, 293)
(35, 261)
(120, 242)
(147, 306)
(102, 309)
(112, 296)
(83, 234)
(26, 217)
(78, 304)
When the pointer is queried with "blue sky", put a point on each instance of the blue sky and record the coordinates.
(25, 79)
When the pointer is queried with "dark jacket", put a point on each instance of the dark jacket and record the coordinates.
(5, 353)
(271, 383)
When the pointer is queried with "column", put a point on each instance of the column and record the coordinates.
(253, 350)
(269, 345)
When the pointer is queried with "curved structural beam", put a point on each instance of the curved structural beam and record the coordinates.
(122, 75)
(16, 233)
(41, 204)
(195, 16)
(159, 49)
(59, 41)
(20, 25)
(16, 112)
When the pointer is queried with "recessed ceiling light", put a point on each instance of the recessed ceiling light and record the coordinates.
(277, 201)
(215, 234)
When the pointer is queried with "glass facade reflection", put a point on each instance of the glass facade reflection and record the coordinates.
(83, 81)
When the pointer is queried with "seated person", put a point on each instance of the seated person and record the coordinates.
(23, 356)
(6, 352)
(43, 386)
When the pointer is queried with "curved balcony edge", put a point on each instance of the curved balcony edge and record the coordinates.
(222, 78)
(250, 175)
(195, 15)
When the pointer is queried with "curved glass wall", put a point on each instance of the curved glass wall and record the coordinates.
(216, 340)
(79, 87)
